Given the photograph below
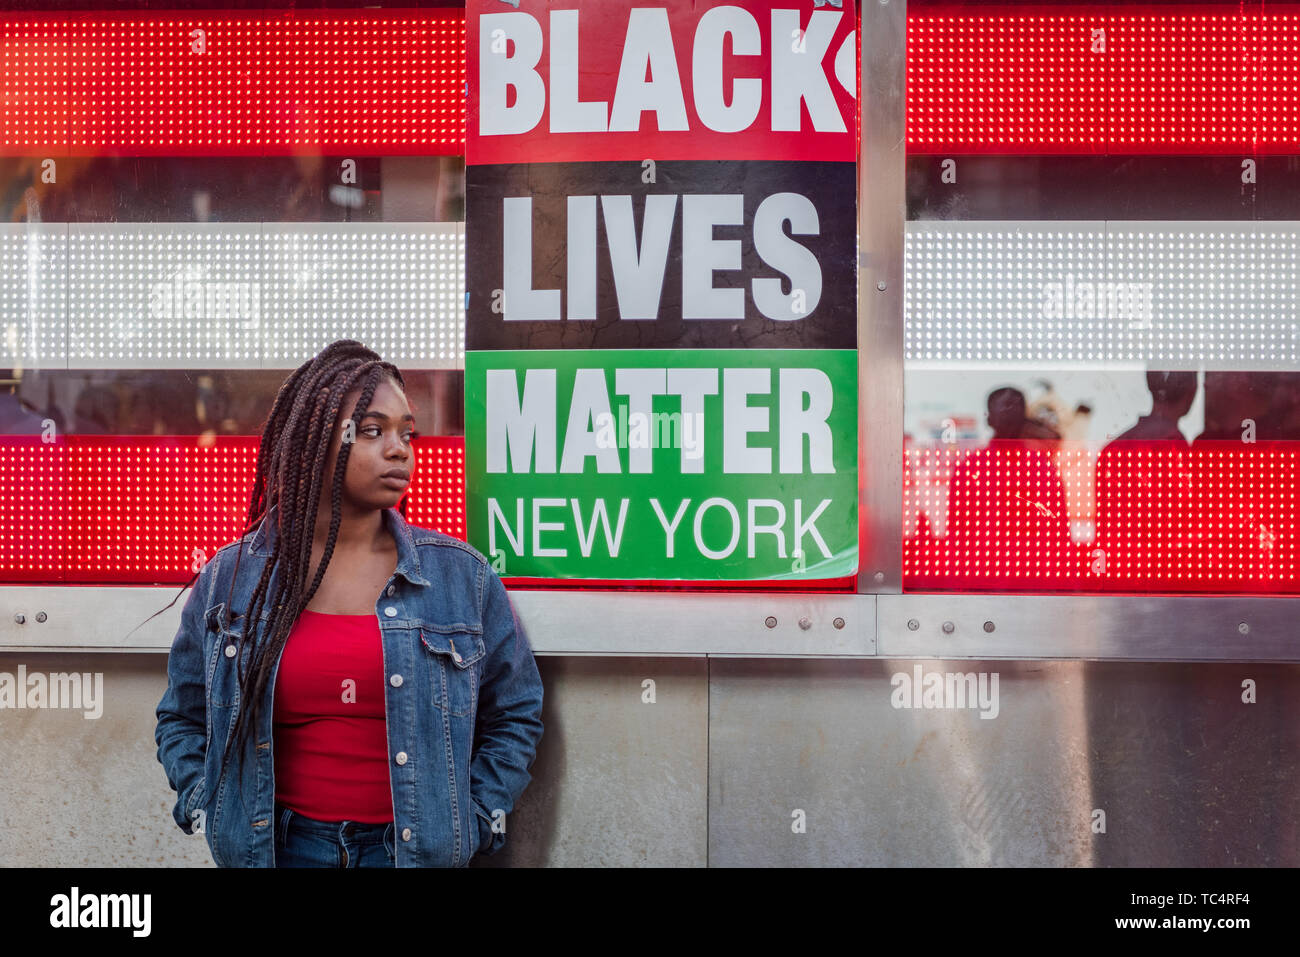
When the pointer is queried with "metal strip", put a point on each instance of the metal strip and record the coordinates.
(1132, 627)
(881, 210)
(1025, 627)
(87, 618)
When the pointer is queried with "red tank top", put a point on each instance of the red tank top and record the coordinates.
(331, 743)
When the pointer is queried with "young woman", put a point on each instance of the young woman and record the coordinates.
(346, 689)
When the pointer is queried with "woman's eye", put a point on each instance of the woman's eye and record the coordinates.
(413, 435)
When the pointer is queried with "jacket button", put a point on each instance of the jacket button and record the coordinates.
(230, 651)
(401, 757)
(395, 681)
(390, 611)
(406, 833)
(391, 589)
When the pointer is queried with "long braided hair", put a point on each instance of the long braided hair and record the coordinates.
(290, 462)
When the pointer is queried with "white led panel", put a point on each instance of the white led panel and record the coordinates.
(254, 295)
(165, 295)
(33, 303)
(1102, 294)
(397, 287)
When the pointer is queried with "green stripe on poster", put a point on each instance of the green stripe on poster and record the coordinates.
(699, 465)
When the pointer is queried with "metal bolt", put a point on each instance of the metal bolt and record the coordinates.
(913, 624)
(881, 285)
(838, 623)
(988, 626)
(805, 623)
(41, 616)
(949, 628)
(1243, 629)
(879, 578)
(19, 618)
(771, 621)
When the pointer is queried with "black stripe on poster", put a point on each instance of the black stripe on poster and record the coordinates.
(651, 255)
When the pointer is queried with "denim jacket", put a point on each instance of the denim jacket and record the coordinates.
(462, 704)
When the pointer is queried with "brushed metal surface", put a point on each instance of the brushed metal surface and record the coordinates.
(1025, 627)
(89, 792)
(1184, 772)
(1145, 628)
(620, 780)
(94, 618)
(882, 209)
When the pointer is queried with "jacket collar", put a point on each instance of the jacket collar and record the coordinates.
(408, 558)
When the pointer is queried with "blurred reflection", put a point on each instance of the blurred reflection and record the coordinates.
(283, 189)
(1006, 505)
(1172, 394)
(1006, 414)
(1092, 480)
(95, 411)
(15, 417)
(1144, 484)
(1240, 405)
(185, 402)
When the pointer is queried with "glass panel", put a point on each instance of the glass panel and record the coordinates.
(160, 277)
(1101, 336)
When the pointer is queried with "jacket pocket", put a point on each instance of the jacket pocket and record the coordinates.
(193, 811)
(482, 830)
(223, 657)
(454, 658)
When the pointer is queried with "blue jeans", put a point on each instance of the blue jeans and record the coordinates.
(302, 841)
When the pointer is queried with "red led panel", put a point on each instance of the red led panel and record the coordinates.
(275, 83)
(371, 82)
(142, 509)
(1220, 517)
(137, 510)
(34, 65)
(436, 495)
(1196, 79)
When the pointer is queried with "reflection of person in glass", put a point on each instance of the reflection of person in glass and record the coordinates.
(1244, 405)
(1007, 519)
(1172, 395)
(407, 703)
(1144, 489)
(1006, 414)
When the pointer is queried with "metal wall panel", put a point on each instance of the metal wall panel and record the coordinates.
(618, 781)
(89, 792)
(1185, 772)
